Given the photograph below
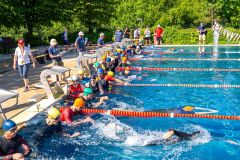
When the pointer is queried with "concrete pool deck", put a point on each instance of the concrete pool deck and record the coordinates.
(25, 109)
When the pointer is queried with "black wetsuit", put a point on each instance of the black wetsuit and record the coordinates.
(181, 136)
(94, 88)
(42, 129)
(9, 147)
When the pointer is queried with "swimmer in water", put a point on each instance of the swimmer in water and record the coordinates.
(186, 110)
(11, 142)
(168, 138)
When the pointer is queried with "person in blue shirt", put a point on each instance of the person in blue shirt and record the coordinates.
(100, 41)
(65, 37)
(80, 43)
(118, 35)
(54, 53)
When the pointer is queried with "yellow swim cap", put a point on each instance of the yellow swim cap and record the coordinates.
(81, 72)
(119, 50)
(104, 57)
(79, 102)
(188, 108)
(53, 113)
(110, 73)
(124, 58)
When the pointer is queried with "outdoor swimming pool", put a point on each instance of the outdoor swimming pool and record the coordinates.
(125, 137)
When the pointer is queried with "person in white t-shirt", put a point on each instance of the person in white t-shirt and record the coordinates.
(147, 34)
(22, 59)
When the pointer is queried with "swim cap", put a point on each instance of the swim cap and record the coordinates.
(79, 102)
(104, 57)
(87, 91)
(53, 113)
(96, 65)
(188, 108)
(81, 72)
(119, 50)
(74, 78)
(8, 125)
(127, 68)
(115, 53)
(100, 71)
(110, 73)
(108, 59)
(124, 58)
(122, 55)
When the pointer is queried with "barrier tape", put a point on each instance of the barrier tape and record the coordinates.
(181, 69)
(182, 85)
(186, 59)
(169, 52)
(156, 114)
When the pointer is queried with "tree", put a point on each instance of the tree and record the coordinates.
(94, 14)
(30, 13)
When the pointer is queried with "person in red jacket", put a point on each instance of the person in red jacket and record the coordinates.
(159, 33)
(67, 114)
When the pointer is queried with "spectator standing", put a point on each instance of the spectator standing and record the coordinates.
(80, 45)
(65, 38)
(54, 53)
(100, 41)
(118, 35)
(159, 33)
(136, 33)
(215, 29)
(21, 58)
(202, 34)
(147, 34)
(127, 33)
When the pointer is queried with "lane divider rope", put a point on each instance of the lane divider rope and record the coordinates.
(156, 114)
(169, 52)
(181, 69)
(182, 85)
(185, 59)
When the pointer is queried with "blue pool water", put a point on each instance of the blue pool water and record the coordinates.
(125, 137)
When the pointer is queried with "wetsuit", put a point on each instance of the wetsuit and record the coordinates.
(94, 88)
(43, 129)
(9, 147)
(181, 136)
(174, 110)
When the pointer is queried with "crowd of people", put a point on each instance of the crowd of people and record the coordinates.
(97, 79)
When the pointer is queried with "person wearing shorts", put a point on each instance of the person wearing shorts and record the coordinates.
(159, 33)
(202, 33)
(147, 34)
(22, 59)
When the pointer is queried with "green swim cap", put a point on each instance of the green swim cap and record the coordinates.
(96, 64)
(87, 91)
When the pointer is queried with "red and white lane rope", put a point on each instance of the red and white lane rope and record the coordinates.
(156, 114)
(182, 85)
(185, 59)
(181, 69)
